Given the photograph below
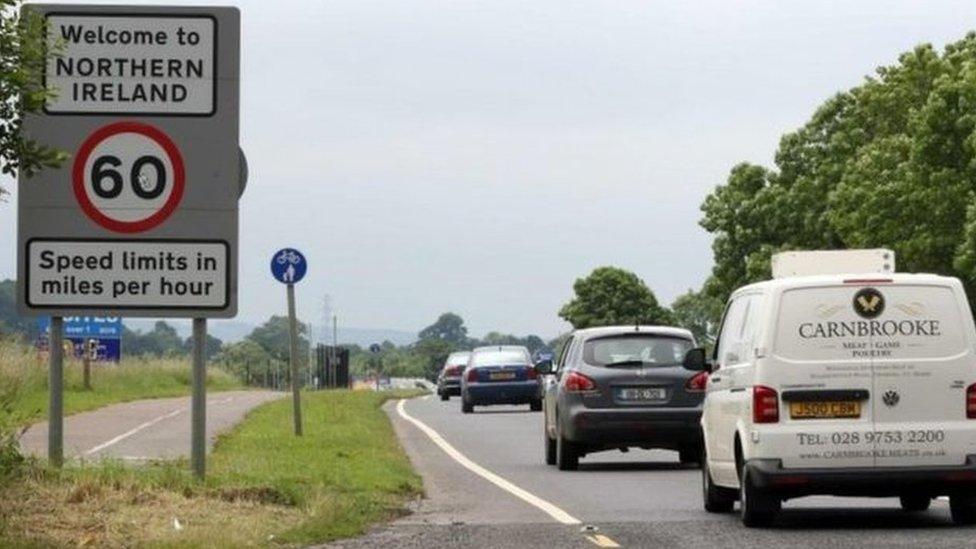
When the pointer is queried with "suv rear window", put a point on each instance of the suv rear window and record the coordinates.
(500, 358)
(635, 350)
(857, 323)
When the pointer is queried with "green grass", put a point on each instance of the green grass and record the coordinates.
(24, 373)
(264, 485)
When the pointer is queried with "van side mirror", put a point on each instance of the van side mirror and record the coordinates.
(696, 361)
(544, 367)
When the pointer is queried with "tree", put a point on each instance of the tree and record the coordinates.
(10, 319)
(23, 56)
(610, 296)
(433, 352)
(211, 347)
(162, 340)
(888, 163)
(700, 313)
(273, 337)
(449, 327)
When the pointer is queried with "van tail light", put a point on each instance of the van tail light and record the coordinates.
(697, 382)
(530, 373)
(472, 375)
(575, 382)
(971, 401)
(765, 405)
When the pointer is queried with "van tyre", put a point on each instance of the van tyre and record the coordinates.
(716, 498)
(550, 446)
(758, 508)
(567, 454)
(445, 396)
(915, 503)
(963, 509)
(535, 405)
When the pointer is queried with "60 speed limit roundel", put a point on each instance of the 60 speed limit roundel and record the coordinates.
(128, 177)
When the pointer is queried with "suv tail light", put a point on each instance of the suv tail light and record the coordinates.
(765, 405)
(472, 375)
(575, 382)
(971, 401)
(530, 373)
(697, 382)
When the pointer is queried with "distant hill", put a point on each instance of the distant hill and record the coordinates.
(229, 331)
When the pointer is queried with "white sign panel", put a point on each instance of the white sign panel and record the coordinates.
(115, 64)
(120, 274)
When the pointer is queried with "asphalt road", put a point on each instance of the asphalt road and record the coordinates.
(635, 499)
(145, 429)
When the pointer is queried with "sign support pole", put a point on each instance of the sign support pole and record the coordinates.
(55, 424)
(198, 406)
(293, 343)
(86, 364)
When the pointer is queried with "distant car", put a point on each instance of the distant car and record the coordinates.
(500, 374)
(622, 387)
(449, 380)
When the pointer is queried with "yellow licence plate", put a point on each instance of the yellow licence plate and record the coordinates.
(501, 375)
(825, 410)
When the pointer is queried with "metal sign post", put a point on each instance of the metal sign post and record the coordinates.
(198, 404)
(289, 266)
(143, 221)
(55, 424)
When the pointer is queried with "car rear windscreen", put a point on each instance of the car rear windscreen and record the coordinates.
(457, 359)
(500, 358)
(636, 350)
(884, 322)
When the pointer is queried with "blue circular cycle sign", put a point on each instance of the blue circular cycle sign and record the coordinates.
(288, 265)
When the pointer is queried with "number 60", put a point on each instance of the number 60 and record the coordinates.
(107, 182)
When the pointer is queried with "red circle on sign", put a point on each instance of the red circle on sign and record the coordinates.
(160, 215)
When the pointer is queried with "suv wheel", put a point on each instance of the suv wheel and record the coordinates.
(915, 503)
(567, 455)
(550, 446)
(716, 498)
(758, 508)
(963, 509)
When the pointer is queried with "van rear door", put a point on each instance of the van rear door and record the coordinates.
(923, 362)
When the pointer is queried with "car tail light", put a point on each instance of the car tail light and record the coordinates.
(765, 405)
(971, 401)
(453, 370)
(697, 382)
(472, 375)
(530, 373)
(575, 381)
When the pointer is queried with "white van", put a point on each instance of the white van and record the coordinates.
(861, 385)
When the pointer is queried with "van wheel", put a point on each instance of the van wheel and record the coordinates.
(758, 508)
(915, 503)
(445, 396)
(717, 499)
(567, 455)
(466, 407)
(535, 405)
(963, 509)
(550, 446)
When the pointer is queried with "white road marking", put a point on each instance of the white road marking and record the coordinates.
(555, 512)
(602, 541)
(144, 426)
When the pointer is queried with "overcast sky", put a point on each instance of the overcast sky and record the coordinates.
(478, 157)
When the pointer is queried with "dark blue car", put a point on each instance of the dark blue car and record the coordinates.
(501, 374)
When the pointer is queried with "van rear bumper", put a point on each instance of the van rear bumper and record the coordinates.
(770, 476)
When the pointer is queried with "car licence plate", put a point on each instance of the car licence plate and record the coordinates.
(825, 409)
(642, 394)
(501, 376)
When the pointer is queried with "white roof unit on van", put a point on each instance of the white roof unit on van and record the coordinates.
(828, 262)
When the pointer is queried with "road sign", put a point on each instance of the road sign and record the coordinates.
(288, 266)
(105, 349)
(143, 221)
(86, 326)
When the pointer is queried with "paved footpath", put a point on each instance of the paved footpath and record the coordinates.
(145, 429)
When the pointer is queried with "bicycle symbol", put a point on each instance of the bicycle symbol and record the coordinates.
(288, 256)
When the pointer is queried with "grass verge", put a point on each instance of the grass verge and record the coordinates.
(23, 375)
(264, 486)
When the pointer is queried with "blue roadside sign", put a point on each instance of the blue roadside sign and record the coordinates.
(288, 265)
(106, 349)
(85, 326)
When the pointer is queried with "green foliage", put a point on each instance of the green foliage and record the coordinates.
(161, 341)
(889, 163)
(273, 337)
(10, 321)
(700, 313)
(23, 56)
(613, 296)
(449, 327)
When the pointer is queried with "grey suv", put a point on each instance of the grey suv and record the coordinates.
(620, 387)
